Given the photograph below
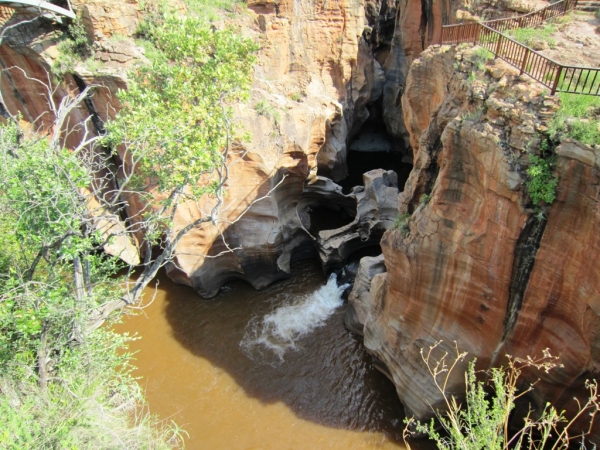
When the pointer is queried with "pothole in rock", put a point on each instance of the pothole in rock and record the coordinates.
(324, 207)
(322, 218)
(316, 218)
(373, 148)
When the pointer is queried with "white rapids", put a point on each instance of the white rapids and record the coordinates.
(279, 330)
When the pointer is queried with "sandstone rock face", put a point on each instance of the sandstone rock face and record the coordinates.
(317, 75)
(321, 70)
(304, 71)
(560, 304)
(418, 25)
(107, 18)
(359, 301)
(475, 265)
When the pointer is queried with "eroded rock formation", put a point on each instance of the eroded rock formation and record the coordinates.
(475, 264)
(322, 73)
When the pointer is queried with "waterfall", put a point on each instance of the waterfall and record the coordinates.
(280, 330)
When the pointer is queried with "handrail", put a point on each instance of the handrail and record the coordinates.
(556, 76)
(42, 6)
(534, 18)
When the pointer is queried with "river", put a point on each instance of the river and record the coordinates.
(249, 369)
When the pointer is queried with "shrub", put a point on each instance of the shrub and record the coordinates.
(401, 223)
(475, 114)
(481, 422)
(264, 108)
(74, 47)
(480, 56)
(541, 184)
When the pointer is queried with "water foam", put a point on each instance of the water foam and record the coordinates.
(281, 329)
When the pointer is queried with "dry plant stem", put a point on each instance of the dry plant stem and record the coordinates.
(550, 428)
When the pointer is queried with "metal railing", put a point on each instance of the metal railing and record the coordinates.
(534, 18)
(557, 77)
(41, 7)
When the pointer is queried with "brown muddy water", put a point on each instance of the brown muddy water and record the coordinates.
(247, 370)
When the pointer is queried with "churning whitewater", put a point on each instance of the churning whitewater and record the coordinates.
(279, 330)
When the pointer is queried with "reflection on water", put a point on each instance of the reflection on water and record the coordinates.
(324, 394)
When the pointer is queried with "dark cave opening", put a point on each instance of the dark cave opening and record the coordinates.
(325, 218)
(373, 148)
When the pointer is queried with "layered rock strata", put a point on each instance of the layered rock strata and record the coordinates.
(322, 73)
(315, 74)
(475, 265)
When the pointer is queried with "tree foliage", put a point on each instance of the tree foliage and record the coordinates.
(175, 120)
(60, 208)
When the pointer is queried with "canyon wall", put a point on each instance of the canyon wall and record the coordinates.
(474, 264)
(320, 70)
(470, 262)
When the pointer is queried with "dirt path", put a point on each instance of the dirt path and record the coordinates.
(577, 41)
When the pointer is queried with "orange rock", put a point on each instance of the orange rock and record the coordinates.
(476, 266)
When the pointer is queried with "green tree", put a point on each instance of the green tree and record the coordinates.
(61, 209)
(176, 127)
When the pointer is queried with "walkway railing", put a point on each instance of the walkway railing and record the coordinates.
(557, 77)
(44, 8)
(532, 19)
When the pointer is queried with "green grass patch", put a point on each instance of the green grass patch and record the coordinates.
(531, 36)
(264, 108)
(212, 9)
(209, 10)
(577, 118)
(480, 56)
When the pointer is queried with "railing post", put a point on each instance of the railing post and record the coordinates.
(499, 46)
(476, 34)
(555, 85)
(525, 58)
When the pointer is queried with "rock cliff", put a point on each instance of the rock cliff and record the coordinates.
(322, 72)
(474, 263)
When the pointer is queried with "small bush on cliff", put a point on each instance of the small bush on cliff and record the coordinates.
(482, 421)
(401, 223)
(541, 184)
(480, 56)
(264, 108)
(74, 47)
